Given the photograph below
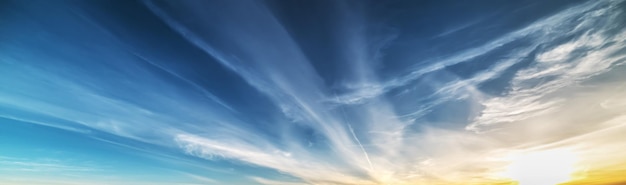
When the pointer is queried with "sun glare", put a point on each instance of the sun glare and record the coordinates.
(548, 167)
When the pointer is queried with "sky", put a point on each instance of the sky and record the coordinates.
(251, 92)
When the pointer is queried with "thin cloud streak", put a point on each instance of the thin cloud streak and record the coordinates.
(353, 130)
(527, 106)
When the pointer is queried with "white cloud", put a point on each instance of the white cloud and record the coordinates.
(381, 151)
(535, 90)
(368, 143)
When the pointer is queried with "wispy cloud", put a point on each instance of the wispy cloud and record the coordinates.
(354, 130)
(301, 94)
(533, 90)
(43, 165)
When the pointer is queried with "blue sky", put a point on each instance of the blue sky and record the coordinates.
(307, 92)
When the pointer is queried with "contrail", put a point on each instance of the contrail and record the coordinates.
(360, 145)
(345, 118)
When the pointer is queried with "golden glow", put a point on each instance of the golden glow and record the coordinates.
(542, 168)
